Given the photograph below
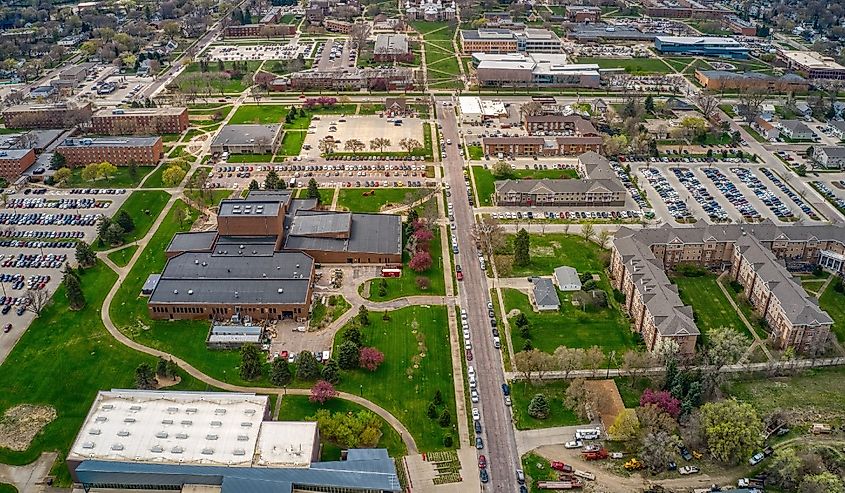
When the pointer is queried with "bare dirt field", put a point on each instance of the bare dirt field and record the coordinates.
(364, 128)
(20, 424)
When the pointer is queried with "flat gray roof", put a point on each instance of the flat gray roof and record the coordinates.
(368, 233)
(9, 154)
(318, 224)
(192, 241)
(246, 134)
(240, 207)
(110, 142)
(391, 44)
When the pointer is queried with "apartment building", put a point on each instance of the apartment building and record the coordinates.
(337, 26)
(758, 256)
(740, 26)
(58, 115)
(583, 13)
(243, 31)
(796, 130)
(392, 48)
(133, 121)
(576, 192)
(118, 151)
(540, 146)
(683, 9)
(571, 124)
(13, 162)
(831, 157)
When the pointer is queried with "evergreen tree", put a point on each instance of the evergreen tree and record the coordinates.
(448, 441)
(161, 367)
(125, 221)
(272, 181)
(313, 190)
(431, 412)
(353, 334)
(445, 418)
(250, 362)
(331, 372)
(145, 377)
(521, 320)
(253, 185)
(348, 355)
(538, 407)
(73, 290)
(649, 103)
(363, 316)
(306, 366)
(85, 255)
(280, 372)
(438, 397)
(521, 245)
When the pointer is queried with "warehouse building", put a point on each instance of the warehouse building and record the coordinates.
(212, 442)
(701, 46)
(133, 121)
(718, 80)
(247, 139)
(534, 69)
(118, 151)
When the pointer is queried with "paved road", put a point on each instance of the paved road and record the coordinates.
(497, 429)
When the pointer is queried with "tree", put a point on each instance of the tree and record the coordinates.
(431, 412)
(635, 362)
(85, 255)
(253, 185)
(653, 419)
(363, 316)
(280, 374)
(438, 397)
(751, 102)
(114, 234)
(62, 174)
(421, 261)
(331, 372)
(73, 291)
(649, 103)
(322, 391)
(593, 358)
(658, 449)
(36, 300)
(445, 418)
(521, 248)
(725, 346)
(533, 361)
(313, 190)
(588, 231)
(161, 367)
(821, 483)
(354, 145)
(327, 145)
(604, 237)
(353, 334)
(615, 144)
(538, 407)
(708, 104)
(124, 220)
(57, 161)
(306, 366)
(663, 400)
(786, 467)
(272, 181)
(625, 427)
(379, 143)
(733, 430)
(410, 144)
(502, 170)
(172, 176)
(250, 362)
(348, 355)
(145, 377)
(568, 359)
(370, 358)
(580, 399)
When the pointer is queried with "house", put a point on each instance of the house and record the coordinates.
(767, 112)
(396, 107)
(766, 129)
(829, 156)
(837, 128)
(545, 294)
(796, 130)
(676, 104)
(803, 109)
(567, 279)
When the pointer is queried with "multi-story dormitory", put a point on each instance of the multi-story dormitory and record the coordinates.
(760, 257)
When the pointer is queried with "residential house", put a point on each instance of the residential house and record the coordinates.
(545, 294)
(796, 130)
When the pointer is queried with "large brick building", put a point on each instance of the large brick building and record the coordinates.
(560, 136)
(13, 162)
(260, 261)
(119, 151)
(59, 115)
(718, 80)
(758, 256)
(140, 121)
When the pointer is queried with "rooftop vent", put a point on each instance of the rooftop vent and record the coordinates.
(280, 290)
(157, 449)
(128, 420)
(207, 451)
(196, 261)
(177, 450)
(211, 437)
(94, 431)
(175, 291)
(123, 433)
(239, 451)
(190, 292)
(88, 445)
(181, 436)
(161, 434)
(117, 446)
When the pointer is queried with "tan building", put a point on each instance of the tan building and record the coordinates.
(13, 162)
(757, 256)
(718, 80)
(118, 151)
(133, 121)
(812, 64)
(337, 26)
(581, 137)
(59, 115)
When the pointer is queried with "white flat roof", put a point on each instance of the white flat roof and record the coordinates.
(286, 443)
(812, 59)
(199, 428)
(470, 105)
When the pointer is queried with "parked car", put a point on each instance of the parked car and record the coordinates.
(479, 443)
(573, 444)
(688, 470)
(482, 461)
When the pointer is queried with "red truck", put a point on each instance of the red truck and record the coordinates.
(560, 466)
(595, 455)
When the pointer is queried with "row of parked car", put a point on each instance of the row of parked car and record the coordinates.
(700, 193)
(335, 157)
(625, 178)
(94, 191)
(668, 194)
(18, 281)
(37, 244)
(33, 261)
(42, 203)
(796, 199)
(827, 192)
(46, 234)
(7, 218)
(732, 193)
(772, 201)
(9, 302)
(569, 215)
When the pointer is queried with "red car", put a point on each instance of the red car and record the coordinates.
(7, 328)
(283, 355)
(482, 462)
(460, 276)
(560, 466)
(469, 354)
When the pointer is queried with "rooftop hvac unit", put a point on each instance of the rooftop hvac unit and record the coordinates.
(117, 446)
(94, 431)
(88, 445)
(135, 408)
(172, 410)
(280, 290)
(190, 292)
(128, 420)
(216, 424)
(249, 412)
(243, 438)
(187, 422)
(157, 449)
(191, 410)
(177, 450)
(101, 419)
(207, 451)
(246, 424)
(107, 407)
(239, 451)
(161, 434)
(211, 437)
(123, 433)
(181, 436)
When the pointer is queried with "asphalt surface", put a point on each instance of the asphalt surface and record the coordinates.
(496, 419)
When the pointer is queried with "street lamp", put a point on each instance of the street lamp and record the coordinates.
(285, 387)
(362, 390)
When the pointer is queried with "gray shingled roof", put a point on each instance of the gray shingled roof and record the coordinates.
(547, 186)
(545, 293)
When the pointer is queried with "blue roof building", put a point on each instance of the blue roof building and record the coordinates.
(701, 46)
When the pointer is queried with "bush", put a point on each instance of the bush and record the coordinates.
(447, 441)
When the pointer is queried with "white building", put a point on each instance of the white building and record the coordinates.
(567, 279)
(829, 156)
(476, 110)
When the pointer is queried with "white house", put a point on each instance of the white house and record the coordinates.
(767, 112)
(829, 156)
(567, 278)
(796, 130)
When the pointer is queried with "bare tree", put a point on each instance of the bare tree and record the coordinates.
(708, 103)
(531, 109)
(751, 102)
(36, 300)
(491, 234)
(569, 359)
(358, 33)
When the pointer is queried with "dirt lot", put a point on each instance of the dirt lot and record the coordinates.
(363, 128)
(20, 424)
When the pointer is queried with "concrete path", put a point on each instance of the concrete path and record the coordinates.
(27, 478)
(421, 474)
(757, 340)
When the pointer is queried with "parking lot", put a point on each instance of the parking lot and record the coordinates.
(126, 89)
(361, 127)
(334, 54)
(328, 175)
(258, 52)
(39, 229)
(724, 192)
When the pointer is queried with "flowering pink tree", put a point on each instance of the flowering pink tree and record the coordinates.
(421, 261)
(370, 358)
(423, 237)
(322, 391)
(663, 400)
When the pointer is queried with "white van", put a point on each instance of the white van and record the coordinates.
(471, 372)
(588, 434)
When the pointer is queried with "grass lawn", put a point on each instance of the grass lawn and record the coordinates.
(249, 158)
(560, 415)
(90, 361)
(143, 206)
(536, 469)
(352, 199)
(292, 143)
(711, 308)
(122, 179)
(475, 152)
(417, 362)
(325, 314)
(485, 183)
(299, 408)
(208, 198)
(631, 391)
(170, 137)
(123, 256)
(370, 109)
(7, 488)
(638, 66)
(259, 113)
(326, 194)
(756, 135)
(406, 285)
(571, 327)
(552, 250)
(223, 85)
(834, 304)
(154, 179)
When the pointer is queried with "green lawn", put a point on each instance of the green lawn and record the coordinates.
(299, 408)
(292, 143)
(485, 183)
(235, 85)
(560, 415)
(711, 308)
(326, 194)
(370, 109)
(250, 158)
(552, 250)
(122, 179)
(154, 179)
(571, 326)
(755, 134)
(638, 66)
(475, 152)
(143, 206)
(406, 285)
(353, 199)
(834, 304)
(259, 113)
(123, 256)
(209, 198)
(63, 360)
(418, 362)
(7, 488)
(537, 468)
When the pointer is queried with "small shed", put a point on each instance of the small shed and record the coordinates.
(233, 336)
(545, 294)
(567, 279)
(150, 284)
